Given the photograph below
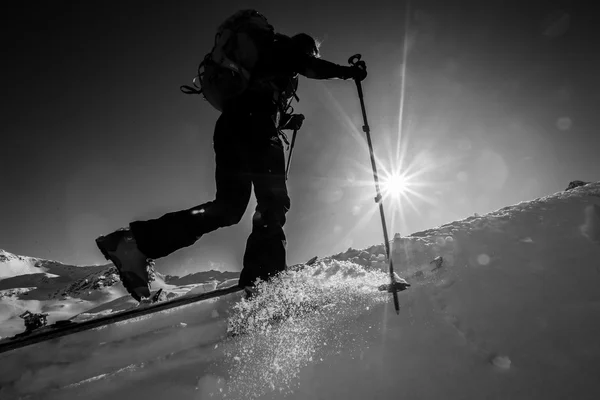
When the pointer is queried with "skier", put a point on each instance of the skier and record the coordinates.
(249, 153)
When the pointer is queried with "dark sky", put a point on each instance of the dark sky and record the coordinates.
(500, 106)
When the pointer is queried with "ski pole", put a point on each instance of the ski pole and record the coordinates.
(287, 168)
(355, 61)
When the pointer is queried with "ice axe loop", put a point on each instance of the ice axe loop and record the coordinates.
(356, 61)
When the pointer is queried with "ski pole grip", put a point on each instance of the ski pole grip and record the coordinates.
(354, 59)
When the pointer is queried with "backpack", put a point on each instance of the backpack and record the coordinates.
(227, 71)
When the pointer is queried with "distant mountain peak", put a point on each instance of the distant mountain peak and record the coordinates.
(7, 256)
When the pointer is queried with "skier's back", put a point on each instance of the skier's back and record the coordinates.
(248, 153)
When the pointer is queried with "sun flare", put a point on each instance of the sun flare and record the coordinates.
(394, 185)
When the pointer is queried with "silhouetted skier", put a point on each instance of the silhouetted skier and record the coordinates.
(249, 152)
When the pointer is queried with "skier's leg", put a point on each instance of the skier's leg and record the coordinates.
(265, 253)
(129, 249)
(160, 237)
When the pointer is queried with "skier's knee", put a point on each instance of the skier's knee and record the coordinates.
(220, 214)
(267, 219)
(257, 219)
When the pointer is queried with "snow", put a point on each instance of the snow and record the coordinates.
(48, 286)
(13, 265)
(510, 313)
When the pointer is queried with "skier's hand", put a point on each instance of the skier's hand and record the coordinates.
(295, 122)
(357, 72)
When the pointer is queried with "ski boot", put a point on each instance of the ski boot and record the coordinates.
(135, 269)
(250, 292)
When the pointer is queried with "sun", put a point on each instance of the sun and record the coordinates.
(395, 185)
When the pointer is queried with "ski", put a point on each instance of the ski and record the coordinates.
(69, 327)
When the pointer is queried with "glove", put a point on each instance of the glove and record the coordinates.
(293, 122)
(358, 73)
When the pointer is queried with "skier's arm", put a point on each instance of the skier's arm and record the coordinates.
(316, 68)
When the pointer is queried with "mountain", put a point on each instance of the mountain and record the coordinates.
(201, 277)
(501, 306)
(61, 290)
(40, 279)
(12, 265)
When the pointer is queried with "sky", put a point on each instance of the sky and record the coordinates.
(497, 103)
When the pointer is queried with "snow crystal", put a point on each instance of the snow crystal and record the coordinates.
(288, 324)
(209, 385)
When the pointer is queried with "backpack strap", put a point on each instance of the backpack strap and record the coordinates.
(197, 89)
(191, 90)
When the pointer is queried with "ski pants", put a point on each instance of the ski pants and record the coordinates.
(248, 152)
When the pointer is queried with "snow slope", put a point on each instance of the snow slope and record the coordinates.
(45, 278)
(63, 291)
(510, 312)
(13, 265)
(48, 286)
